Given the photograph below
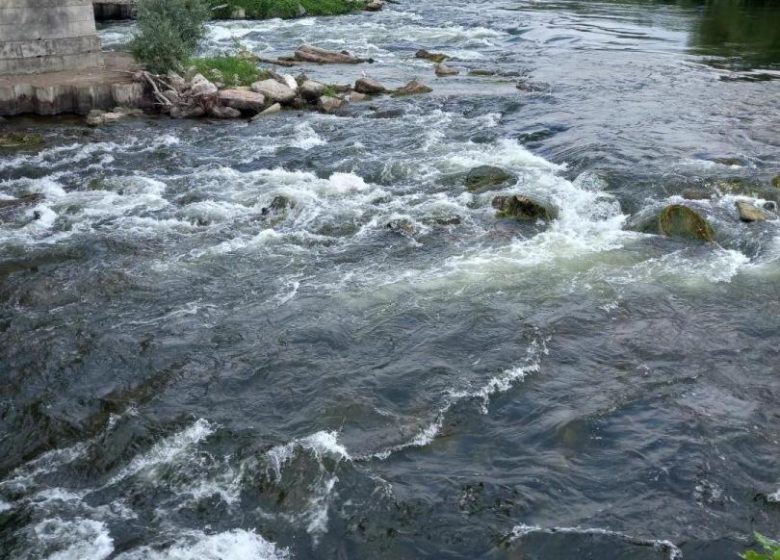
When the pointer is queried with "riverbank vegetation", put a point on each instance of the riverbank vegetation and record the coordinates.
(229, 70)
(266, 9)
(168, 32)
(771, 550)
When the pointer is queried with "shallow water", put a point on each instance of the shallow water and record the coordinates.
(186, 376)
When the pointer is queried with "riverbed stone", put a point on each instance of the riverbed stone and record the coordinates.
(329, 104)
(308, 53)
(200, 86)
(221, 112)
(412, 88)
(242, 100)
(776, 182)
(435, 57)
(522, 207)
(442, 70)
(273, 90)
(751, 213)
(678, 220)
(487, 177)
(20, 141)
(369, 86)
(311, 90)
(275, 108)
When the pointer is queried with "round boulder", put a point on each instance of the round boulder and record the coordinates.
(522, 207)
(486, 178)
(680, 221)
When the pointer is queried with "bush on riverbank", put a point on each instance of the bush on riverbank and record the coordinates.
(771, 550)
(168, 32)
(265, 9)
(230, 70)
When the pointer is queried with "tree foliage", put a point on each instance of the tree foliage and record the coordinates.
(168, 32)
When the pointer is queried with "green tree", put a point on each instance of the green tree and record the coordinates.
(168, 32)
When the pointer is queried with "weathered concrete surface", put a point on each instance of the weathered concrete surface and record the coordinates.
(79, 92)
(47, 36)
(114, 9)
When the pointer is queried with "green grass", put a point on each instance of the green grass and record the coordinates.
(771, 550)
(230, 70)
(266, 9)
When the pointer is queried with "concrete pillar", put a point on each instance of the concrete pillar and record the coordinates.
(47, 36)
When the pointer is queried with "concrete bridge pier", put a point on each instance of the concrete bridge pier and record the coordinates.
(47, 36)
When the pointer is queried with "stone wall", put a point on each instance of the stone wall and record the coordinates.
(47, 36)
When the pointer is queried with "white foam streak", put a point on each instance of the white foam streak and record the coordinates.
(75, 539)
(167, 450)
(320, 444)
(672, 552)
(238, 544)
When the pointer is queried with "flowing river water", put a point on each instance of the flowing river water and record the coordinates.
(186, 376)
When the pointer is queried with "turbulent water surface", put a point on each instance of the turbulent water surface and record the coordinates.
(187, 376)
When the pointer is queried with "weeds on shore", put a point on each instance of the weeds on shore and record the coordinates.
(230, 70)
(266, 9)
(771, 550)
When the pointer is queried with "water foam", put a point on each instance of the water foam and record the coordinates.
(238, 544)
(74, 539)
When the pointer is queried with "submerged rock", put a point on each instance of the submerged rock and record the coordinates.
(220, 112)
(369, 86)
(412, 88)
(273, 90)
(487, 177)
(24, 201)
(680, 221)
(776, 182)
(435, 57)
(20, 140)
(403, 227)
(696, 194)
(97, 117)
(751, 213)
(307, 53)
(278, 204)
(242, 100)
(522, 207)
(443, 70)
(483, 73)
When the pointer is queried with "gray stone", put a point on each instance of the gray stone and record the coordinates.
(522, 207)
(328, 104)
(412, 88)
(312, 90)
(751, 213)
(220, 112)
(273, 109)
(307, 53)
(242, 100)
(274, 91)
(444, 70)
(200, 86)
(369, 86)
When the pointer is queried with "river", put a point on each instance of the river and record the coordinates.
(186, 376)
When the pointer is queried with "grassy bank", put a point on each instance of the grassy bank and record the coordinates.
(230, 70)
(266, 9)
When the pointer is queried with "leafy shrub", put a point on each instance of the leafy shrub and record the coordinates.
(169, 32)
(771, 550)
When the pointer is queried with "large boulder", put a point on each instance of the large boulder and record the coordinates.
(273, 109)
(412, 88)
(750, 213)
(680, 221)
(369, 86)
(273, 90)
(487, 177)
(242, 100)
(522, 207)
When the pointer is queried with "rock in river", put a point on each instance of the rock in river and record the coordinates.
(412, 88)
(369, 86)
(275, 91)
(680, 221)
(444, 70)
(242, 100)
(522, 208)
(20, 141)
(750, 213)
(486, 177)
(435, 57)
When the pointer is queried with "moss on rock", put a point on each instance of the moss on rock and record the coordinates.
(680, 221)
